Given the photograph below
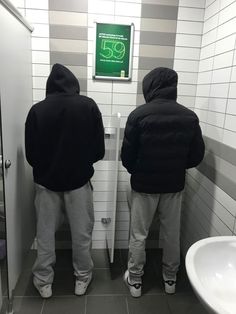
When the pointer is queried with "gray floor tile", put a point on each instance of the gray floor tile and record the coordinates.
(24, 286)
(28, 305)
(30, 259)
(107, 282)
(64, 305)
(185, 304)
(106, 305)
(150, 304)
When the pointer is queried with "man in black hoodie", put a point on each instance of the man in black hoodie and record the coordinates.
(64, 136)
(162, 139)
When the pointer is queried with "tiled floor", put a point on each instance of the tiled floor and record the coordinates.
(107, 293)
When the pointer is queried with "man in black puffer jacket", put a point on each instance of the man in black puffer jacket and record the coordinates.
(64, 136)
(162, 139)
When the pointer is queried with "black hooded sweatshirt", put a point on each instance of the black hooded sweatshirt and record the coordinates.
(64, 134)
(162, 138)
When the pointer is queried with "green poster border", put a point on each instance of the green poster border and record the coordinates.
(130, 54)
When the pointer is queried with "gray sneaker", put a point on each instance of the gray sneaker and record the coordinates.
(170, 284)
(81, 285)
(45, 291)
(134, 288)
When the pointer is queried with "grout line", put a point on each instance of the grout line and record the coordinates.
(127, 305)
(85, 304)
(41, 312)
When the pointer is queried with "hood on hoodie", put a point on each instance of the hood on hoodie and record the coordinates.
(160, 83)
(62, 80)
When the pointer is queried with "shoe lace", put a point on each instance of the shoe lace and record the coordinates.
(170, 282)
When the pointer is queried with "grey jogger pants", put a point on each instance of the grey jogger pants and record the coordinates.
(143, 209)
(78, 206)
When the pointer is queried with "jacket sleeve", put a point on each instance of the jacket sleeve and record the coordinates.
(98, 136)
(129, 149)
(197, 149)
(30, 134)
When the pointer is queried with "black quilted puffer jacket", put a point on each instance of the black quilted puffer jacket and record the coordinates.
(162, 138)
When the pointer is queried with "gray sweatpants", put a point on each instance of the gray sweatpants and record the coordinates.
(143, 209)
(50, 206)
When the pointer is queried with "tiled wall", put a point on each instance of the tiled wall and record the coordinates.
(210, 198)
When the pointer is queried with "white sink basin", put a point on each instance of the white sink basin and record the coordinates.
(211, 269)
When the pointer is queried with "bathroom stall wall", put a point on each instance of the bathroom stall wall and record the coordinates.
(64, 34)
(15, 99)
(210, 198)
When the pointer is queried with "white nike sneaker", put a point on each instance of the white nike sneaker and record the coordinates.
(81, 285)
(134, 288)
(44, 291)
(170, 284)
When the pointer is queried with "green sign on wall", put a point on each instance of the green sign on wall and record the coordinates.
(113, 51)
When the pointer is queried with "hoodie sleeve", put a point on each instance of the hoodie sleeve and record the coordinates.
(197, 148)
(129, 147)
(30, 133)
(98, 136)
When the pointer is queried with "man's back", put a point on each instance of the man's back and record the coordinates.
(64, 134)
(162, 138)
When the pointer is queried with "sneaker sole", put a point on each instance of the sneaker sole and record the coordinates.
(85, 290)
(128, 286)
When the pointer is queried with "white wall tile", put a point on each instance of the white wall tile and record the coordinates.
(225, 44)
(212, 9)
(188, 40)
(41, 70)
(233, 74)
(187, 53)
(217, 104)
(188, 78)
(127, 20)
(186, 90)
(202, 114)
(127, 9)
(105, 109)
(232, 90)
(223, 60)
(99, 86)
(42, 57)
(210, 24)
(101, 7)
(231, 106)
(207, 51)
(37, 16)
(186, 65)
(214, 132)
(68, 18)
(125, 87)
(40, 30)
(229, 138)
(225, 3)
(208, 2)
(18, 3)
(38, 94)
(39, 82)
(209, 37)
(101, 98)
(40, 43)
(226, 29)
(187, 101)
(221, 75)
(69, 45)
(35, 4)
(202, 102)
(203, 90)
(204, 77)
(216, 118)
(206, 64)
(192, 3)
(186, 27)
(219, 90)
(123, 110)
(124, 99)
(230, 122)
(227, 13)
(190, 14)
